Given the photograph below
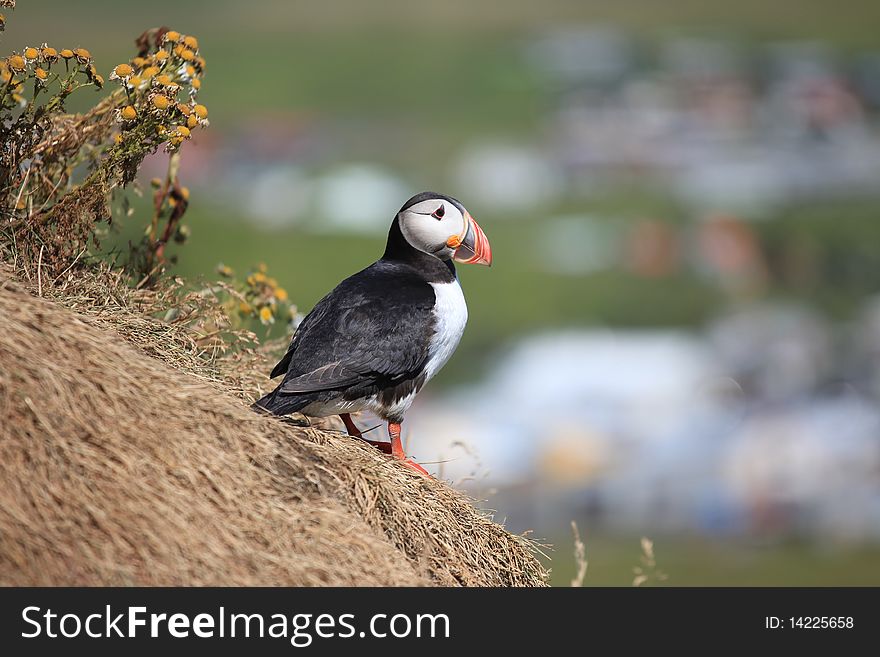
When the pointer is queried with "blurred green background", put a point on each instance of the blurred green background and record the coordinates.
(314, 99)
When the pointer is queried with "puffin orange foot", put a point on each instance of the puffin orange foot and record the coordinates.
(397, 450)
(412, 465)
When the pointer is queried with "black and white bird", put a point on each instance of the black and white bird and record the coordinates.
(381, 334)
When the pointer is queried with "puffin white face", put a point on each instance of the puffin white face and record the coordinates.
(428, 226)
(437, 227)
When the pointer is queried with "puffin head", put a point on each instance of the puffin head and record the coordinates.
(439, 225)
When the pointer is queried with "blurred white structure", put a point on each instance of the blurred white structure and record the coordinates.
(606, 388)
(357, 198)
(278, 197)
(506, 177)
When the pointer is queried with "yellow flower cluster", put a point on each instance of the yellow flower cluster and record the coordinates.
(36, 64)
(161, 86)
(260, 296)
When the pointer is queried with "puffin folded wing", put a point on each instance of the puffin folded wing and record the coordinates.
(328, 377)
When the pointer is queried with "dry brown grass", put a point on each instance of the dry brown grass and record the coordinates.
(120, 468)
(580, 557)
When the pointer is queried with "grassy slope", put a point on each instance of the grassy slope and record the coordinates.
(121, 464)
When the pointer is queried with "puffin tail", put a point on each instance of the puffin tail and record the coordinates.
(281, 404)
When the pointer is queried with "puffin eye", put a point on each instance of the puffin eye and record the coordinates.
(439, 212)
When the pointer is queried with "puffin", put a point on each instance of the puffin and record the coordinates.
(379, 336)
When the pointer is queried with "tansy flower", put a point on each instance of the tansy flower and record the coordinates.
(192, 121)
(281, 294)
(196, 84)
(134, 82)
(161, 56)
(201, 111)
(82, 55)
(40, 74)
(163, 80)
(184, 109)
(50, 54)
(191, 42)
(149, 72)
(183, 131)
(118, 138)
(138, 61)
(189, 70)
(16, 63)
(266, 315)
(67, 53)
(31, 54)
(244, 308)
(122, 72)
(98, 80)
(171, 35)
(128, 113)
(160, 102)
(187, 55)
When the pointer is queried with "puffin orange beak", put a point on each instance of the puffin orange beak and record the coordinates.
(474, 248)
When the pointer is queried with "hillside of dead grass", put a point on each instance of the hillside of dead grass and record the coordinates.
(123, 465)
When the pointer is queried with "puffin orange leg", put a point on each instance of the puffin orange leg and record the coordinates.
(352, 429)
(350, 426)
(397, 450)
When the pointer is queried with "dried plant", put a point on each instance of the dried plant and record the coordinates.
(647, 571)
(58, 170)
(580, 557)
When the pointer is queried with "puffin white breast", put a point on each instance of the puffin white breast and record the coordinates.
(450, 316)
